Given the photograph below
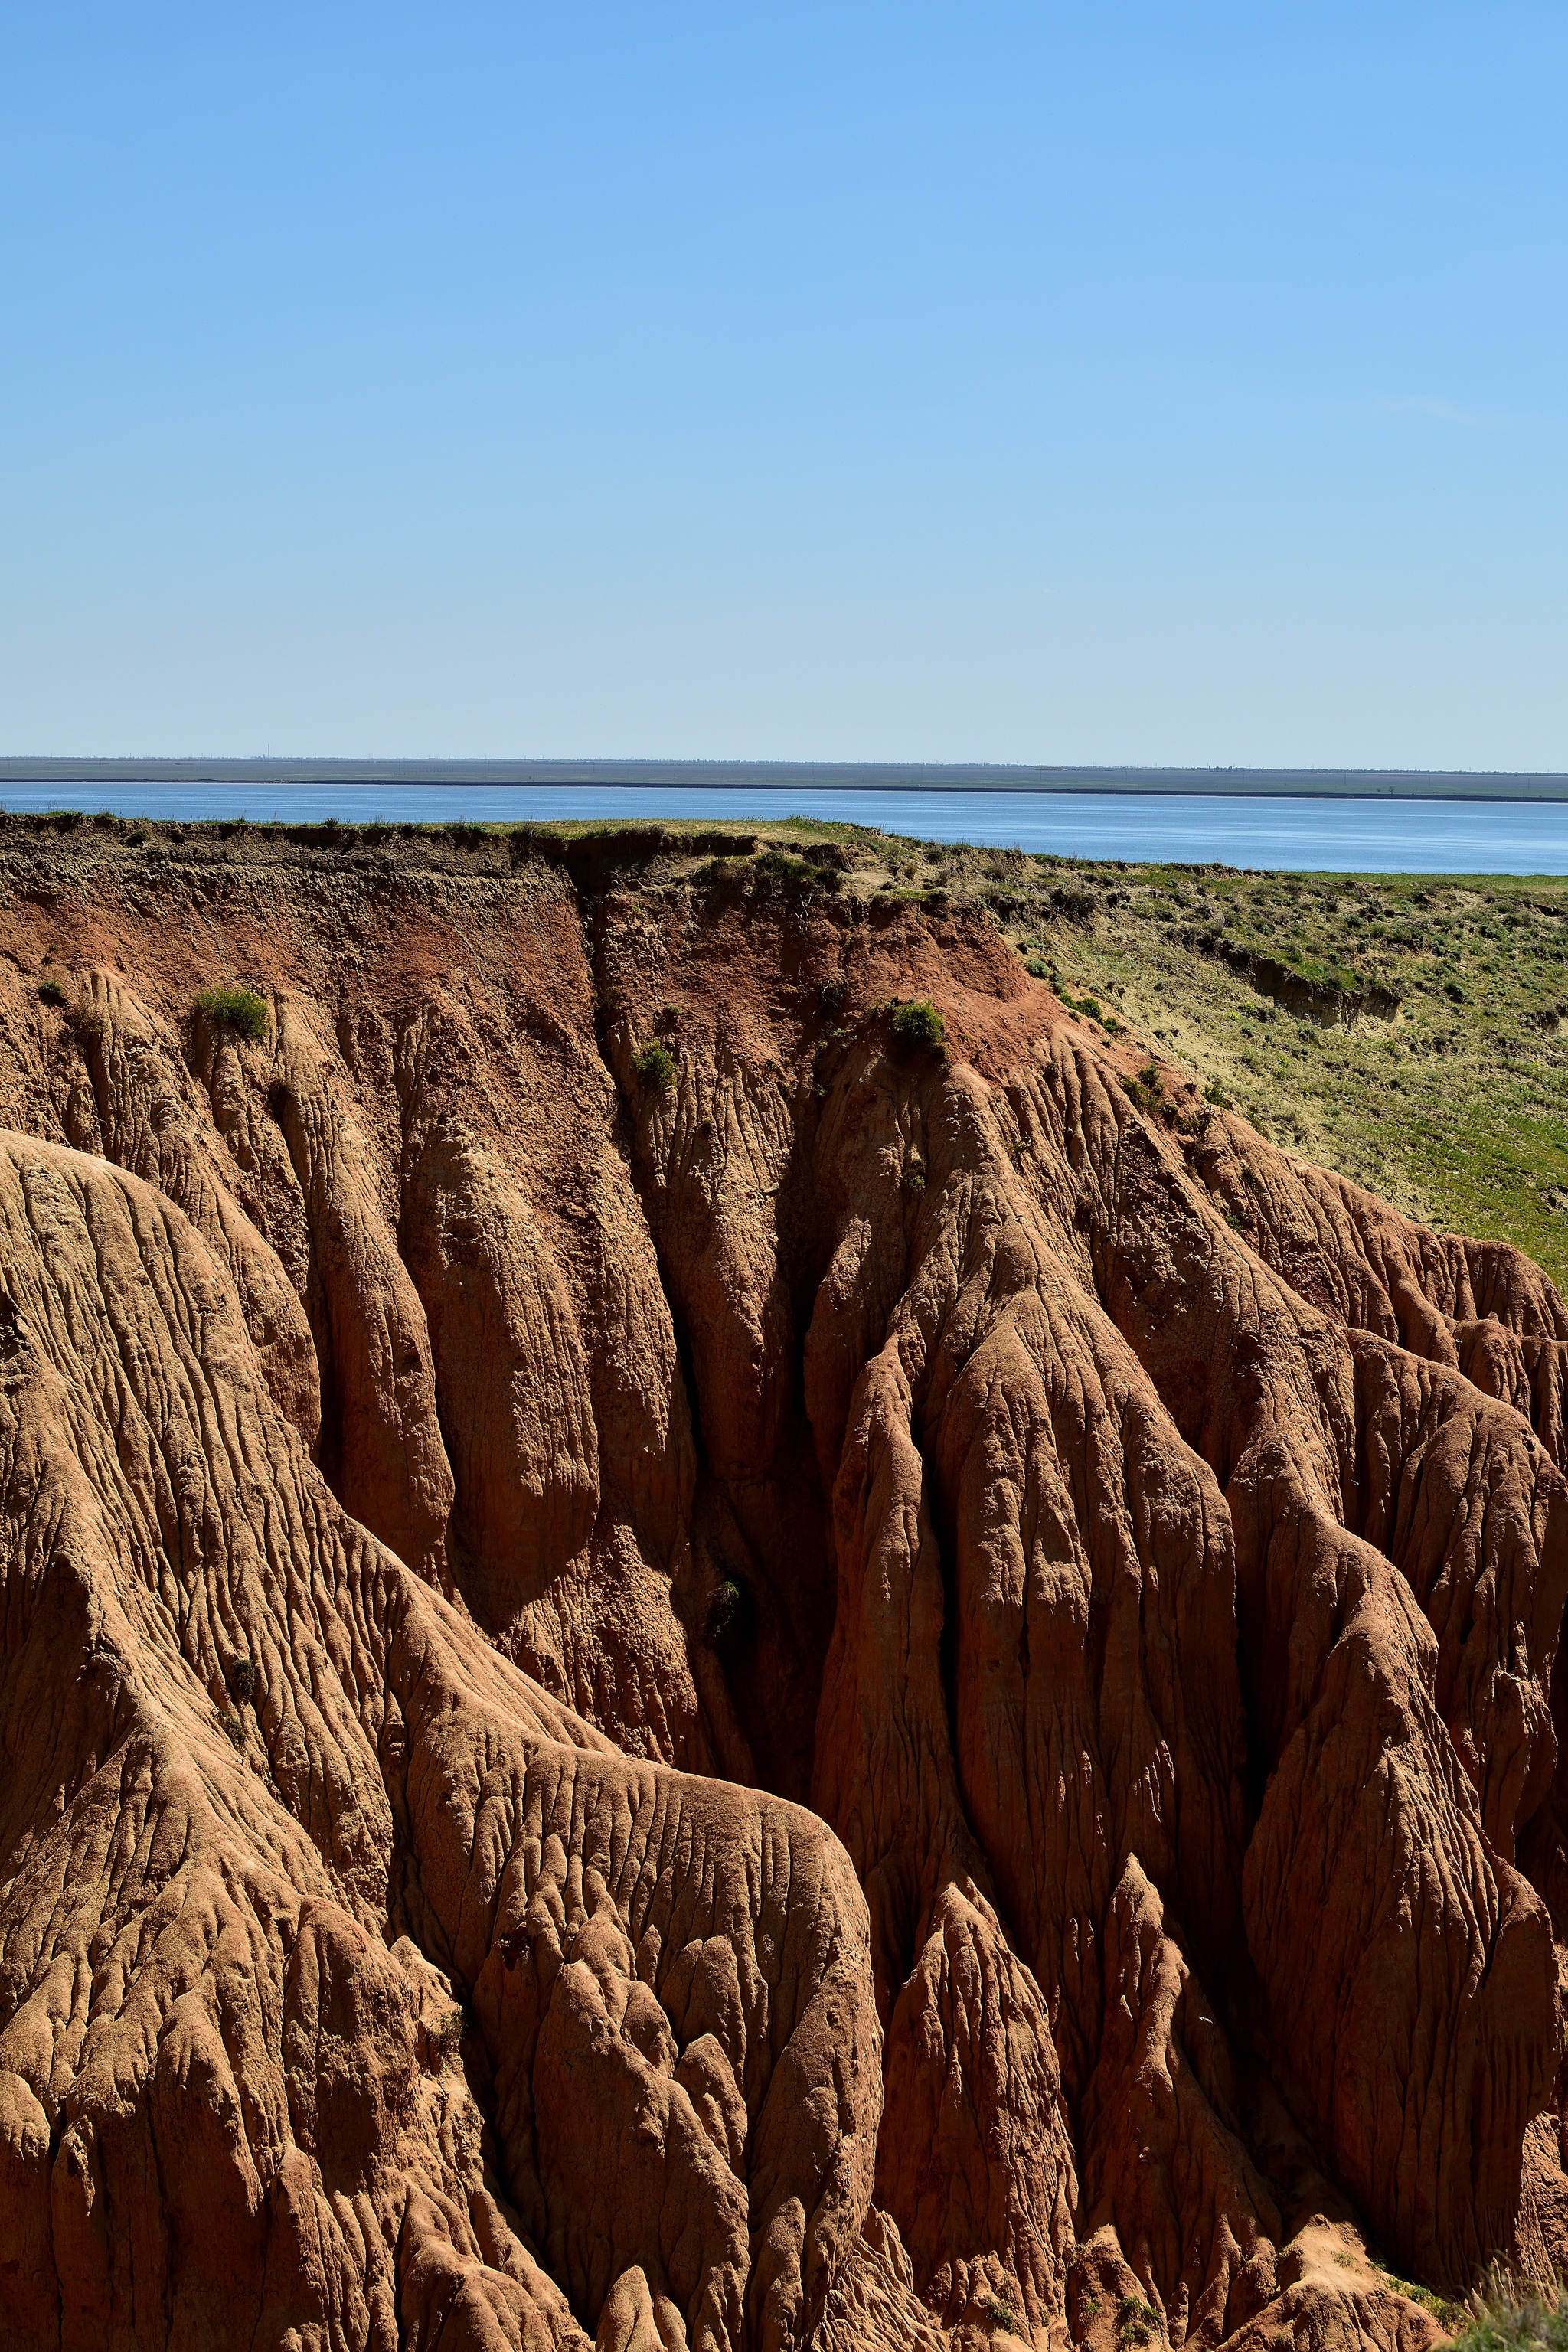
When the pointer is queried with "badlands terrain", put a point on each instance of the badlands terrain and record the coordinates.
(726, 1622)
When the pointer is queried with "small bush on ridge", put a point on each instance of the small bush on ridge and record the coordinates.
(655, 1065)
(235, 1008)
(918, 1027)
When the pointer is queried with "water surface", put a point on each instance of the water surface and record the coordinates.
(1382, 835)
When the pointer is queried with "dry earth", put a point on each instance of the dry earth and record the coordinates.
(879, 1698)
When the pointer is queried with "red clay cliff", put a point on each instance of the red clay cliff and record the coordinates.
(883, 1696)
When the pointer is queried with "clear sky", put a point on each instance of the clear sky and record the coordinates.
(1109, 382)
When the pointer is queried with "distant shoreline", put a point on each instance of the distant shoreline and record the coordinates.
(775, 775)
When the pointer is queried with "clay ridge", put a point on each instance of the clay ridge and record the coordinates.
(869, 1697)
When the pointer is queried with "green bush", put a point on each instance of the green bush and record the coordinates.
(1135, 2322)
(776, 870)
(242, 1681)
(726, 1609)
(1088, 1005)
(1038, 969)
(1214, 1093)
(918, 1027)
(235, 1008)
(50, 993)
(655, 1066)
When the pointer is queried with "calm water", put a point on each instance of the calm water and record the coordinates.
(1382, 835)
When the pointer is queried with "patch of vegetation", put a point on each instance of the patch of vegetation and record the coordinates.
(776, 870)
(721, 874)
(1001, 2314)
(1446, 1092)
(915, 1180)
(729, 1612)
(1038, 968)
(241, 1679)
(1146, 1092)
(918, 1028)
(1505, 2317)
(1136, 2323)
(234, 1008)
(50, 993)
(447, 2037)
(654, 1066)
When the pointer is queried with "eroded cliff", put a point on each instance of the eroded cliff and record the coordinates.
(809, 1691)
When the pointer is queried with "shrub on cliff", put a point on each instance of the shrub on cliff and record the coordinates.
(918, 1028)
(655, 1066)
(729, 1614)
(235, 1008)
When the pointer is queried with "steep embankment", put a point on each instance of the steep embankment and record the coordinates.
(869, 1695)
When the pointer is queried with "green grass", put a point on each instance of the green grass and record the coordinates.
(235, 1008)
(50, 993)
(1508, 2317)
(1455, 1108)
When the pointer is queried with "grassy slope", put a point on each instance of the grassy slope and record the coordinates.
(1455, 1107)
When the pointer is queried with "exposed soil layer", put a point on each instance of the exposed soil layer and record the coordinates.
(802, 1689)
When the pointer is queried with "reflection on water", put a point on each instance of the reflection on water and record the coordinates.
(1382, 836)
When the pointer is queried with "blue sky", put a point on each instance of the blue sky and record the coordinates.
(1112, 383)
